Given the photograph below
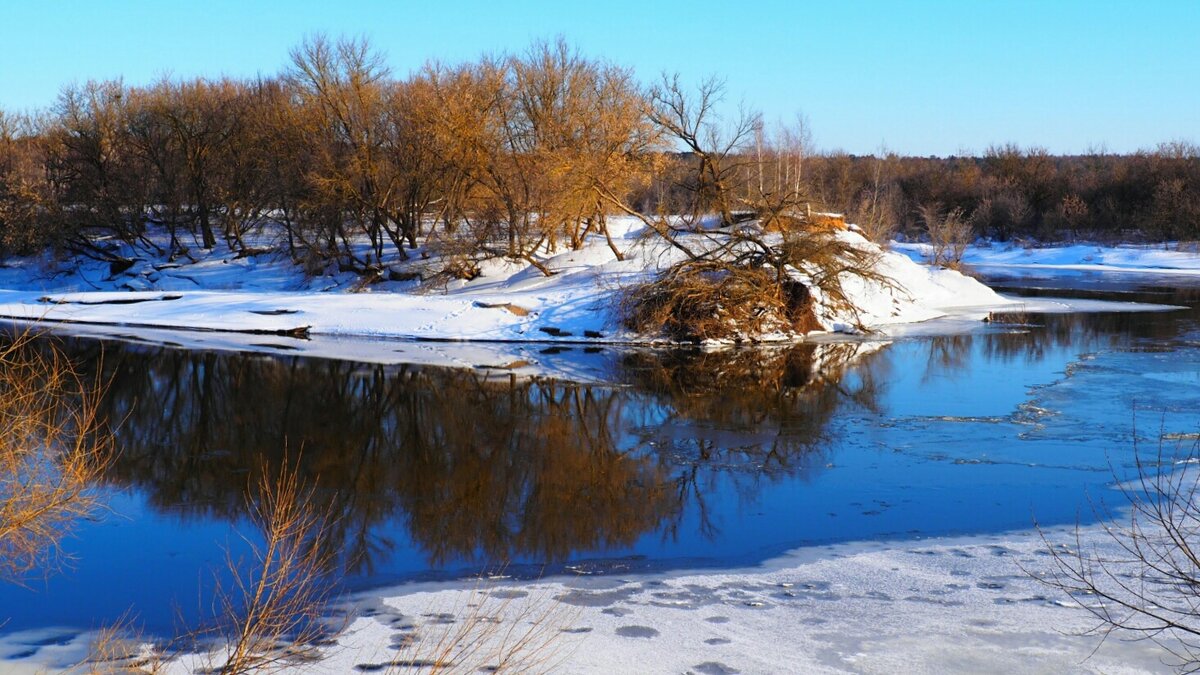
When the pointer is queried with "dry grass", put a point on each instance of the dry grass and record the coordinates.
(53, 450)
(273, 614)
(489, 630)
(121, 648)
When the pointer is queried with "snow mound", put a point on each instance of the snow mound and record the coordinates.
(914, 292)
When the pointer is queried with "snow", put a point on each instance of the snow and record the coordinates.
(267, 293)
(941, 605)
(961, 605)
(1157, 259)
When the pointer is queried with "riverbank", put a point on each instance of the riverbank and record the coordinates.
(961, 605)
(268, 294)
(971, 604)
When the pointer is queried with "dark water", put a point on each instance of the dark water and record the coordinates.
(677, 459)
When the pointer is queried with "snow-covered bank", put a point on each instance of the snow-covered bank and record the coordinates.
(943, 605)
(937, 606)
(1144, 259)
(508, 302)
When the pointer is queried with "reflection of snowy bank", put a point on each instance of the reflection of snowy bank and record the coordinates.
(1021, 312)
(582, 363)
(941, 606)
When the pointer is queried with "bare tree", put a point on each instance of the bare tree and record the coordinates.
(718, 150)
(877, 209)
(102, 187)
(344, 93)
(28, 221)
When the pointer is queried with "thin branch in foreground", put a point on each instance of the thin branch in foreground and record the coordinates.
(1145, 584)
(274, 613)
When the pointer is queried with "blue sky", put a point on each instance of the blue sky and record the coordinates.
(919, 77)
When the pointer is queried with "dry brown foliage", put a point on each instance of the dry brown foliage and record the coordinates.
(744, 283)
(52, 452)
(702, 300)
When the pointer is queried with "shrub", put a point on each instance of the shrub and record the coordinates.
(52, 452)
(949, 233)
(701, 300)
(1143, 583)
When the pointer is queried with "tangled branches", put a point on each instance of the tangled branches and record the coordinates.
(744, 284)
(1143, 580)
(704, 300)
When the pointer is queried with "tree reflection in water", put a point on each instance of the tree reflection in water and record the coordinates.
(491, 469)
(745, 415)
(477, 467)
(1028, 338)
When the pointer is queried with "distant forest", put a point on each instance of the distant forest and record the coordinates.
(507, 155)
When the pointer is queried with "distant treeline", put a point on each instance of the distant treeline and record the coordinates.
(503, 156)
(1010, 192)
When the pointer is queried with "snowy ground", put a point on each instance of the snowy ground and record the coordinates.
(258, 303)
(946, 605)
(1150, 258)
(937, 606)
(218, 291)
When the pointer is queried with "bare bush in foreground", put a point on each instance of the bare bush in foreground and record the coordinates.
(1146, 586)
(274, 613)
(52, 452)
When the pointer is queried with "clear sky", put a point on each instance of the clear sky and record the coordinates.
(919, 77)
